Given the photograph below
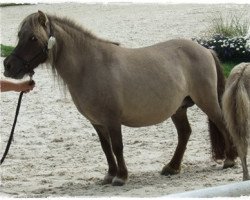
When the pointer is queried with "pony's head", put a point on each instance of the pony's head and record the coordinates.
(34, 37)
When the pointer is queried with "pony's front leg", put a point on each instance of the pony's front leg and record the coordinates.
(106, 146)
(117, 145)
(183, 129)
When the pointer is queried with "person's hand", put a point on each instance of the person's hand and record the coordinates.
(25, 86)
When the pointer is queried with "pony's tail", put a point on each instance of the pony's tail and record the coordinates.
(216, 137)
(236, 110)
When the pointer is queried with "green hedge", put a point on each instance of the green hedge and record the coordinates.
(6, 50)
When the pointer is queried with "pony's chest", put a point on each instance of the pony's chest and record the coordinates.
(89, 108)
(81, 104)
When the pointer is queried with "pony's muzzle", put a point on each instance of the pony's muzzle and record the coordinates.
(13, 68)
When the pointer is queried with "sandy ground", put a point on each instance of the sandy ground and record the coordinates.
(56, 152)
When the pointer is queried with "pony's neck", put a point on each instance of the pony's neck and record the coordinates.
(76, 49)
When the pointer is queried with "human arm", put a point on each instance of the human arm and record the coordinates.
(25, 86)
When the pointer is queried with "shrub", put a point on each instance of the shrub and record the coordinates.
(232, 24)
(229, 36)
(234, 49)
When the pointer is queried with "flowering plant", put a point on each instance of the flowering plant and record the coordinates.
(228, 49)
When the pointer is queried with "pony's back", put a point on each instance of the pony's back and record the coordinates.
(236, 110)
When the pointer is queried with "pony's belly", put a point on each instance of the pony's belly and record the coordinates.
(150, 111)
(146, 119)
(141, 123)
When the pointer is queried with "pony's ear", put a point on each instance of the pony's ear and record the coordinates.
(42, 18)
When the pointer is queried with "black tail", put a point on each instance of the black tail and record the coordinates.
(216, 137)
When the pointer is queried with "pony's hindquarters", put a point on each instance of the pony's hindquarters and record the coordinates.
(236, 110)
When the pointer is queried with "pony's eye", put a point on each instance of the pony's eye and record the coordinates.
(33, 38)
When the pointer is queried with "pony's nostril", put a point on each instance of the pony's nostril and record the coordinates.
(6, 63)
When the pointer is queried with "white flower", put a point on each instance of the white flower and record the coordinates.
(237, 49)
(231, 46)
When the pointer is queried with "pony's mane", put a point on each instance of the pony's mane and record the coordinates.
(64, 23)
(67, 23)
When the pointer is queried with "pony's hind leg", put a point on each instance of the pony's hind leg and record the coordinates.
(244, 167)
(183, 129)
(106, 146)
(242, 148)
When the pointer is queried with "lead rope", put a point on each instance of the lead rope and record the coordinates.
(14, 123)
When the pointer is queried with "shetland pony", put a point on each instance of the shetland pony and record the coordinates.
(236, 110)
(113, 86)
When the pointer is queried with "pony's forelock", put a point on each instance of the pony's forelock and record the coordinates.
(37, 29)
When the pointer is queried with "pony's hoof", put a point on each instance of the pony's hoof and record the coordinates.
(167, 170)
(107, 179)
(118, 181)
(228, 163)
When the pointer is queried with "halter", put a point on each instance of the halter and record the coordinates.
(28, 64)
(44, 52)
